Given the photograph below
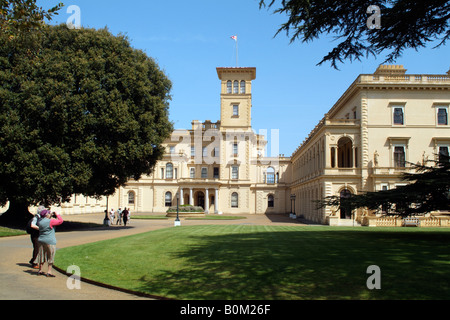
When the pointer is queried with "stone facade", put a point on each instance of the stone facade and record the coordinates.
(382, 122)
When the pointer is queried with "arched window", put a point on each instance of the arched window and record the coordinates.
(229, 86)
(169, 171)
(270, 175)
(131, 198)
(242, 86)
(236, 86)
(234, 200)
(168, 199)
(345, 153)
(270, 201)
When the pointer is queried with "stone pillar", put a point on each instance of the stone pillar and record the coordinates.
(206, 201)
(191, 197)
(216, 201)
(181, 197)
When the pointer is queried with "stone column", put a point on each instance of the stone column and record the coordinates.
(216, 201)
(191, 197)
(206, 201)
(181, 197)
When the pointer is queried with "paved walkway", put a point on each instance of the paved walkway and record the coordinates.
(20, 282)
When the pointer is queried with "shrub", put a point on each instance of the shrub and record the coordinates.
(185, 208)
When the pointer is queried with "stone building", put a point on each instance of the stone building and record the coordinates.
(380, 124)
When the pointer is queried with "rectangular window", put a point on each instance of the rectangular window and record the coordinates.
(204, 152)
(192, 173)
(235, 149)
(216, 151)
(235, 110)
(398, 116)
(204, 173)
(399, 157)
(443, 154)
(234, 172)
(216, 173)
(172, 149)
(192, 151)
(442, 116)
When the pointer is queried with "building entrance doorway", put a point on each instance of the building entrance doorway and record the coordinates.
(201, 199)
(346, 210)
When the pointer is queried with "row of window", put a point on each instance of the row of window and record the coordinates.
(400, 155)
(236, 86)
(172, 173)
(269, 177)
(398, 114)
(234, 200)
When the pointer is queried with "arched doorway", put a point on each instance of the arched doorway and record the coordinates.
(346, 210)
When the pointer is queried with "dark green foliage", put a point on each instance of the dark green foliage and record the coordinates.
(404, 24)
(83, 114)
(19, 17)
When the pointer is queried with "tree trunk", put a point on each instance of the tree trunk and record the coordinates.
(17, 215)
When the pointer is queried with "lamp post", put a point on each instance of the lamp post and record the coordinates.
(177, 220)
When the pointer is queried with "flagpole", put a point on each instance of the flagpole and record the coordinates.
(237, 53)
(237, 50)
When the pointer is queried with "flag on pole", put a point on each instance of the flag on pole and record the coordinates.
(236, 41)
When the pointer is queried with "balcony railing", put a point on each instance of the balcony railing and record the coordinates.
(407, 78)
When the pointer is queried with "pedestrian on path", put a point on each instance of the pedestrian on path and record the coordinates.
(119, 216)
(33, 230)
(111, 215)
(125, 216)
(47, 240)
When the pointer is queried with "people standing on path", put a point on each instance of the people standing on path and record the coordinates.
(111, 215)
(47, 240)
(33, 230)
(125, 216)
(119, 216)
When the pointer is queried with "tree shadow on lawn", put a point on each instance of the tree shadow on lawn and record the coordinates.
(309, 265)
(69, 226)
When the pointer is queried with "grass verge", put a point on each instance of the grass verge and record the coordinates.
(7, 232)
(243, 262)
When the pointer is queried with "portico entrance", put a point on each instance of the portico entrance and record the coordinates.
(202, 197)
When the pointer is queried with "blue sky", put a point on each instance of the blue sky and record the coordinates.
(189, 39)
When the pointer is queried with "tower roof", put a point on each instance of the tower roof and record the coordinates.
(227, 70)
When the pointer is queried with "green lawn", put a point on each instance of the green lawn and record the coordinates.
(7, 232)
(271, 262)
